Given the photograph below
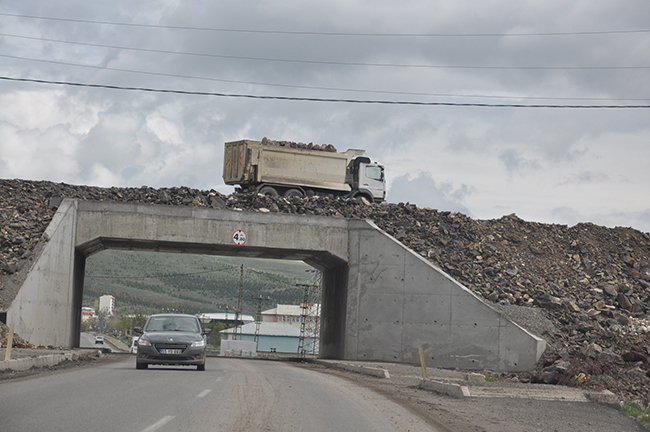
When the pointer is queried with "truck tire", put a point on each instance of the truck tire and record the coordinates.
(366, 197)
(293, 193)
(268, 191)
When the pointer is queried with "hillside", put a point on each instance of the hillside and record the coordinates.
(150, 281)
(585, 289)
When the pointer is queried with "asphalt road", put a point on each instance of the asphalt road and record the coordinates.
(230, 395)
(87, 340)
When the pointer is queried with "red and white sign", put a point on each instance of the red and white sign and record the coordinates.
(239, 237)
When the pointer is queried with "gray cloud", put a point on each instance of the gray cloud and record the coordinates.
(425, 192)
(586, 177)
(514, 161)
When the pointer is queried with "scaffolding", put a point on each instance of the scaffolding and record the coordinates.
(308, 344)
(258, 317)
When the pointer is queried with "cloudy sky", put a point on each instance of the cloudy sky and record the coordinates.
(474, 152)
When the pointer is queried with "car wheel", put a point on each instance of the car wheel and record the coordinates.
(200, 367)
(139, 365)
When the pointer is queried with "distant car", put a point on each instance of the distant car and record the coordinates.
(171, 339)
(99, 340)
(134, 345)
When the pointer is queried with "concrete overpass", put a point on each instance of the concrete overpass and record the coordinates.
(381, 301)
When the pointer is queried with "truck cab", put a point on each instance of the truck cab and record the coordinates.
(367, 178)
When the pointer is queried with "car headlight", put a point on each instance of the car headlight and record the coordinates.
(199, 343)
(144, 342)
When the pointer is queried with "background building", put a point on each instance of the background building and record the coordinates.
(291, 314)
(228, 318)
(273, 337)
(107, 304)
(88, 314)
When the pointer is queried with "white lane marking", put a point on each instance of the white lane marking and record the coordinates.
(160, 423)
(203, 393)
(219, 379)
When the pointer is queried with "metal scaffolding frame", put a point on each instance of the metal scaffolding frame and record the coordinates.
(310, 317)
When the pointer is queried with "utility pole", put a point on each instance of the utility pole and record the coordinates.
(240, 302)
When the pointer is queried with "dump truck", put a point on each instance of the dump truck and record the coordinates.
(282, 168)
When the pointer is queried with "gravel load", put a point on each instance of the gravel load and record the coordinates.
(585, 288)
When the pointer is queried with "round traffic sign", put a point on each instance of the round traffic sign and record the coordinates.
(239, 237)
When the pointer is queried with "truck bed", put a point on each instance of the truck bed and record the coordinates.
(249, 162)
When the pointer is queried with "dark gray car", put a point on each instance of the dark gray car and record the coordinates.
(171, 339)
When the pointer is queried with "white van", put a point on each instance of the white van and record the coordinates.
(134, 345)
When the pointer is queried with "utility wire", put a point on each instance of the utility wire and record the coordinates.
(304, 99)
(316, 87)
(326, 62)
(316, 33)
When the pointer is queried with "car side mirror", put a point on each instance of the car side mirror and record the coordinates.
(206, 330)
(137, 330)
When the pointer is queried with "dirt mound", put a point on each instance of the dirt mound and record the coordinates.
(589, 285)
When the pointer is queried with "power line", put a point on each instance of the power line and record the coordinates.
(316, 87)
(316, 33)
(325, 62)
(304, 99)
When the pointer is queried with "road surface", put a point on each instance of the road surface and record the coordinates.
(230, 395)
(87, 340)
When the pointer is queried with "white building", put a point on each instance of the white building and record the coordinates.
(107, 304)
(272, 337)
(225, 318)
(291, 314)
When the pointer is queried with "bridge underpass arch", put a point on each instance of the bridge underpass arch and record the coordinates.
(381, 300)
(333, 269)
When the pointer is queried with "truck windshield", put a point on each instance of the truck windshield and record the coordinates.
(374, 173)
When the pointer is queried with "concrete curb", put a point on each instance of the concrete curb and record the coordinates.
(366, 370)
(606, 398)
(26, 363)
(458, 391)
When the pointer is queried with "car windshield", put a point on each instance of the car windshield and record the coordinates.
(168, 323)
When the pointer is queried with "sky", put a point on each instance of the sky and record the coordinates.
(497, 107)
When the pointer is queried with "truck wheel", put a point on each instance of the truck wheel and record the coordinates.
(268, 191)
(293, 193)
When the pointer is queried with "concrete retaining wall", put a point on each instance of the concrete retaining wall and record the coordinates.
(43, 309)
(398, 301)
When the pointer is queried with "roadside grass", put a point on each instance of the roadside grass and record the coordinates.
(637, 411)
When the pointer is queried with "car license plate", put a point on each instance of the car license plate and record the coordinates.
(171, 351)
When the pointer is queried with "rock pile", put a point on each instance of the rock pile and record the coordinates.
(302, 146)
(18, 342)
(591, 283)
